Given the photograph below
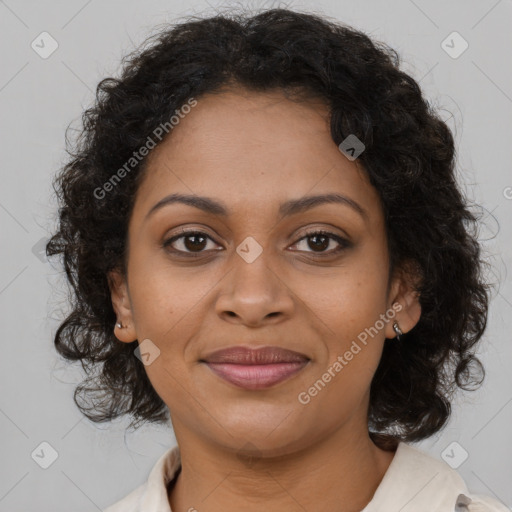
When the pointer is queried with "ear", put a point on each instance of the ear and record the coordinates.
(403, 291)
(122, 306)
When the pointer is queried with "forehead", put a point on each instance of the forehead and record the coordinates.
(252, 149)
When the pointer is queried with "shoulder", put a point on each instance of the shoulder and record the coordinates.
(419, 482)
(453, 481)
(449, 483)
(152, 494)
(481, 503)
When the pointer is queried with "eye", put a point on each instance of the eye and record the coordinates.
(198, 238)
(194, 242)
(322, 239)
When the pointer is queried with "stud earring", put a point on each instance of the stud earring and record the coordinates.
(119, 325)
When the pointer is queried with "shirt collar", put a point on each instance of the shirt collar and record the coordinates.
(155, 498)
(417, 482)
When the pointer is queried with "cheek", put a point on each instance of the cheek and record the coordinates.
(166, 302)
(352, 299)
(350, 312)
(356, 337)
(160, 294)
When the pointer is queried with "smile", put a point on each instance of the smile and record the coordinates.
(256, 376)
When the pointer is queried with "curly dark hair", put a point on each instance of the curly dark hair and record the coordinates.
(409, 157)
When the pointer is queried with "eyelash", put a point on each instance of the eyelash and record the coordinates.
(344, 244)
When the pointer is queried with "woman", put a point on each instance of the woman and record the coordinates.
(268, 248)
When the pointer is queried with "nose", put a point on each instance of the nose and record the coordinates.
(254, 294)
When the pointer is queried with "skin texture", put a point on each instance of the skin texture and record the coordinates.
(241, 449)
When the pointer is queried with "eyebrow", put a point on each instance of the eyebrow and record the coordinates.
(287, 208)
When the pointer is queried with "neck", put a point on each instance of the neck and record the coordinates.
(336, 469)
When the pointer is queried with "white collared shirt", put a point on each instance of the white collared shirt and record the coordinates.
(413, 482)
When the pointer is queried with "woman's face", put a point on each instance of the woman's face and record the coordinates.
(253, 277)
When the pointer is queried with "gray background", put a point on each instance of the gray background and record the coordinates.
(99, 464)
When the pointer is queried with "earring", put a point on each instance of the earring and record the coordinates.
(119, 325)
(398, 331)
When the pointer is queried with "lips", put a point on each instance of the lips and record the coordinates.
(263, 355)
(255, 368)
